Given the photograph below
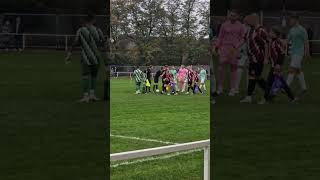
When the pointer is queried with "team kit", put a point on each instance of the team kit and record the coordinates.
(248, 45)
(174, 81)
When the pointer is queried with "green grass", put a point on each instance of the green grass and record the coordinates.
(277, 141)
(44, 133)
(177, 119)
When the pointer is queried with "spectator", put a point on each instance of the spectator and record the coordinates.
(19, 31)
(6, 28)
(115, 71)
(310, 37)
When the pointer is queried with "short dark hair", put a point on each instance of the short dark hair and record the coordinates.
(90, 17)
(294, 16)
(234, 11)
(276, 31)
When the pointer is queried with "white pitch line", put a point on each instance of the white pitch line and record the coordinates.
(154, 158)
(142, 139)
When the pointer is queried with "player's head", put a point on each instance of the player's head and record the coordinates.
(172, 67)
(150, 66)
(233, 15)
(293, 19)
(90, 18)
(137, 67)
(182, 66)
(275, 32)
(246, 20)
(253, 19)
(18, 19)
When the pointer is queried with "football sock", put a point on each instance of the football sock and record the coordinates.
(220, 76)
(287, 89)
(238, 81)
(302, 81)
(252, 86)
(262, 83)
(199, 90)
(290, 78)
(92, 92)
(93, 83)
(85, 84)
(234, 76)
(138, 86)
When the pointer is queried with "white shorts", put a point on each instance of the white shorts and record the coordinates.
(203, 80)
(296, 61)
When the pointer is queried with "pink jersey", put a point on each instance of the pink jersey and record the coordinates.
(182, 74)
(231, 34)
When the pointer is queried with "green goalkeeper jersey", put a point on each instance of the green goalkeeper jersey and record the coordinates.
(138, 75)
(90, 38)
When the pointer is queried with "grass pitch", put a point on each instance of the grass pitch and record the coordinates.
(44, 133)
(177, 119)
(278, 141)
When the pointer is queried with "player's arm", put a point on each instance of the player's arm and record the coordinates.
(221, 35)
(74, 44)
(242, 34)
(103, 39)
(265, 41)
(281, 51)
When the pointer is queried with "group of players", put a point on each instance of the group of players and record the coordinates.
(249, 45)
(174, 81)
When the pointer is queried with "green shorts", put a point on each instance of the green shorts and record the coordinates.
(89, 70)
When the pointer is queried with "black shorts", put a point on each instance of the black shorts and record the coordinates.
(190, 83)
(255, 69)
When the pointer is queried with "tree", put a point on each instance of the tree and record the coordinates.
(164, 31)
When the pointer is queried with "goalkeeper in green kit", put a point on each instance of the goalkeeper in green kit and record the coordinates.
(89, 37)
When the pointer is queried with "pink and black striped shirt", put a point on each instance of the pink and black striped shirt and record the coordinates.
(276, 52)
(257, 41)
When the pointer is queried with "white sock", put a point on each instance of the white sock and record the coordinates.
(290, 78)
(240, 70)
(92, 92)
(302, 81)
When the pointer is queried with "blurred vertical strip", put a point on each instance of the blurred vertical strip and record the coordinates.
(107, 86)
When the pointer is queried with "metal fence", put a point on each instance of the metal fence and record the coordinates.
(127, 71)
(52, 23)
(54, 31)
(205, 145)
